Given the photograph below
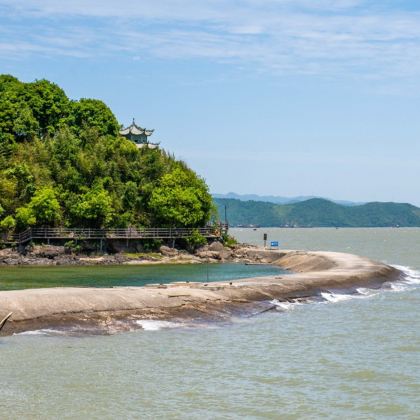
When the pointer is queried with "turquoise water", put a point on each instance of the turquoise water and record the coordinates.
(13, 278)
(349, 357)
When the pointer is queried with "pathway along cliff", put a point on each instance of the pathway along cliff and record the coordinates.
(119, 308)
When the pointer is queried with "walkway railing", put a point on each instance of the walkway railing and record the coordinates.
(129, 233)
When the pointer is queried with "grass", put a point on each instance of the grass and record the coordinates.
(137, 255)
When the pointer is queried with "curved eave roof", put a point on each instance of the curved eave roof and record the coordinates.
(136, 130)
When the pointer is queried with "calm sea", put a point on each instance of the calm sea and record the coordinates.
(345, 357)
(24, 277)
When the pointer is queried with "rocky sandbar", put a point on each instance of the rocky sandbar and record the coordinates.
(120, 308)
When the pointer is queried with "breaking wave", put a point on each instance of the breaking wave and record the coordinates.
(44, 331)
(284, 305)
(360, 293)
(411, 276)
(155, 325)
(410, 279)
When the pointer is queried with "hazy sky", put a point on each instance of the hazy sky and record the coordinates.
(283, 97)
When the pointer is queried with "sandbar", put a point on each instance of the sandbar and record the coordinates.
(107, 310)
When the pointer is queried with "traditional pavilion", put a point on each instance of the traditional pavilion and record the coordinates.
(138, 135)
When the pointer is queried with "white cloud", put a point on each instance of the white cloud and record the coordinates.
(329, 37)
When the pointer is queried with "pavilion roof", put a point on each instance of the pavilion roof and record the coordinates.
(136, 130)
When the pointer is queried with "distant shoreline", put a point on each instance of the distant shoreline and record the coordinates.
(119, 308)
(317, 212)
(322, 227)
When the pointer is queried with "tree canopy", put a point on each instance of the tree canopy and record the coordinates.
(63, 163)
(180, 199)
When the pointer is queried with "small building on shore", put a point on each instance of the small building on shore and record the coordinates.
(139, 136)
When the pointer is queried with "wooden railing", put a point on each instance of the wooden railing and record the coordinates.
(128, 233)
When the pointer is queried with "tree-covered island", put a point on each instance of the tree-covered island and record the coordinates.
(63, 163)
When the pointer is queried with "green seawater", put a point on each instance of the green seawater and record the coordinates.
(353, 357)
(14, 278)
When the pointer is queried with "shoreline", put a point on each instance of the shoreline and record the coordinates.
(107, 310)
(52, 255)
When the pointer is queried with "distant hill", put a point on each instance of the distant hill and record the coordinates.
(317, 212)
(278, 199)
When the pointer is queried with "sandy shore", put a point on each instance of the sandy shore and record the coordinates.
(119, 308)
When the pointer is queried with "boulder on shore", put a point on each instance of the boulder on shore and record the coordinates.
(168, 252)
(8, 253)
(209, 254)
(47, 251)
(216, 246)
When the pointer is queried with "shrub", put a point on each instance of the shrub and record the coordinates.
(228, 240)
(25, 217)
(72, 247)
(195, 240)
(8, 224)
(45, 206)
(151, 245)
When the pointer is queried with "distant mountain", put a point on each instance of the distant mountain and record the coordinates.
(317, 212)
(278, 199)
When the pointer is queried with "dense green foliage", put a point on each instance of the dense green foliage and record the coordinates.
(62, 162)
(318, 213)
(181, 199)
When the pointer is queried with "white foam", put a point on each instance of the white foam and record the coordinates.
(411, 276)
(336, 297)
(155, 325)
(410, 279)
(364, 291)
(285, 306)
(328, 297)
(44, 331)
(399, 287)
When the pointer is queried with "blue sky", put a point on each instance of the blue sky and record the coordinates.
(283, 97)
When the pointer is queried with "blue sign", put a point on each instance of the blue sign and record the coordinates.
(274, 244)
